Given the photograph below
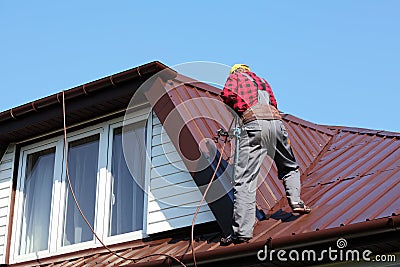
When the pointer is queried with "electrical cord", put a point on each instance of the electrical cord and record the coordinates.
(83, 215)
(205, 194)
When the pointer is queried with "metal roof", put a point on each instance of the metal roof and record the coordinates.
(350, 177)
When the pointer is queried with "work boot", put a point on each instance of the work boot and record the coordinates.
(233, 239)
(300, 208)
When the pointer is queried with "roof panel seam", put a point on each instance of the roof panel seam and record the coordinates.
(321, 153)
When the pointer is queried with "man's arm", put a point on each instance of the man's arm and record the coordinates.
(272, 99)
(228, 94)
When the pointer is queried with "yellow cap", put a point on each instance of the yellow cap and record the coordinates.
(237, 66)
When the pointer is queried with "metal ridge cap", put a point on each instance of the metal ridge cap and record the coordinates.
(85, 89)
(317, 127)
(358, 130)
(181, 79)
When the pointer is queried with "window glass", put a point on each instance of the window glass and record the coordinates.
(83, 157)
(37, 192)
(128, 179)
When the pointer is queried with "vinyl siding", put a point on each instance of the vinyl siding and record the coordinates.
(6, 171)
(173, 196)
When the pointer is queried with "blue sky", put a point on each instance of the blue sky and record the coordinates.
(331, 62)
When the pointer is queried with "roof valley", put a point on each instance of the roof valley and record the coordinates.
(320, 155)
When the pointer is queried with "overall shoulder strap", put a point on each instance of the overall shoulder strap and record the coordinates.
(262, 95)
(248, 76)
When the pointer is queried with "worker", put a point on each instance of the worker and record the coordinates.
(262, 133)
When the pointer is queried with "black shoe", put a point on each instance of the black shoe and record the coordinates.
(300, 208)
(226, 241)
(233, 239)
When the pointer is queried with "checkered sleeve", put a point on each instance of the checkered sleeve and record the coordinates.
(272, 98)
(229, 93)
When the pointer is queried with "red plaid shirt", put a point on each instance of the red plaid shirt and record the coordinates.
(240, 92)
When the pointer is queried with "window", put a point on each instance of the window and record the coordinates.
(83, 167)
(109, 189)
(127, 181)
(37, 192)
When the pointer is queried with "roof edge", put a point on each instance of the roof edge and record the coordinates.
(386, 224)
(85, 89)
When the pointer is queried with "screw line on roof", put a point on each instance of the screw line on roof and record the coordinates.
(351, 192)
(262, 233)
(363, 209)
(364, 160)
(328, 167)
(353, 157)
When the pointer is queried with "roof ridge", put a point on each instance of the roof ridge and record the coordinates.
(338, 130)
(185, 80)
(327, 129)
(358, 130)
(330, 129)
(317, 127)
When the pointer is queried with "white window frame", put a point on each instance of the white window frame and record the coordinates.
(139, 233)
(74, 136)
(19, 197)
(60, 189)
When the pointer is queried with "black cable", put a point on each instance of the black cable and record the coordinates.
(205, 193)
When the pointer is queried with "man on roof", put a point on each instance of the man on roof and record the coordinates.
(262, 134)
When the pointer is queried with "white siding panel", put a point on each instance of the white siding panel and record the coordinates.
(174, 195)
(156, 121)
(160, 139)
(5, 188)
(158, 205)
(162, 149)
(3, 219)
(157, 129)
(3, 230)
(166, 159)
(3, 210)
(2, 260)
(167, 169)
(172, 213)
(9, 155)
(181, 200)
(175, 189)
(6, 165)
(175, 223)
(6, 171)
(4, 175)
(168, 180)
(4, 203)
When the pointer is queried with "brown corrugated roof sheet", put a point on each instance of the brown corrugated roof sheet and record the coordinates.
(350, 177)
